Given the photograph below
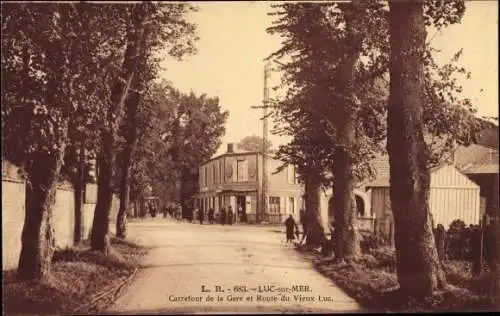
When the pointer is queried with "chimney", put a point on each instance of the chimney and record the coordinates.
(230, 148)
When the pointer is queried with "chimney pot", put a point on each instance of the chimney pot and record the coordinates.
(230, 148)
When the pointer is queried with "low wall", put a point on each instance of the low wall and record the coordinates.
(63, 218)
(12, 221)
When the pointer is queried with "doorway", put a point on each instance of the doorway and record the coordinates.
(241, 208)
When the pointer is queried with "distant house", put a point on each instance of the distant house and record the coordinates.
(236, 178)
(452, 196)
(480, 164)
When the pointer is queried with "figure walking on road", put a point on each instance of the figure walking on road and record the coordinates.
(201, 215)
(290, 227)
(230, 215)
(211, 215)
(223, 216)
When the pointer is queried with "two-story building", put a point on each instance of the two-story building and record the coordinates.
(236, 179)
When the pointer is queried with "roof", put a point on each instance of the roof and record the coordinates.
(476, 159)
(384, 181)
(482, 169)
(236, 153)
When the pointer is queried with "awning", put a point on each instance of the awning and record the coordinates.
(236, 191)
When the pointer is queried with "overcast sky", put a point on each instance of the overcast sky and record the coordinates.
(233, 44)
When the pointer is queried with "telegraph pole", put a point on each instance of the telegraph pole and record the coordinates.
(264, 142)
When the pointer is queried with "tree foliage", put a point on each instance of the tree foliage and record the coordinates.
(179, 131)
(334, 58)
(254, 143)
(314, 41)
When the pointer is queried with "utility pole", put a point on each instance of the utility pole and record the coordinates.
(264, 143)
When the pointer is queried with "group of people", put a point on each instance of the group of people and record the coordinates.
(172, 211)
(225, 217)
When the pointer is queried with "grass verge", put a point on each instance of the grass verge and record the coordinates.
(371, 280)
(79, 277)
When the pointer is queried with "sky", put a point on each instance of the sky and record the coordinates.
(233, 44)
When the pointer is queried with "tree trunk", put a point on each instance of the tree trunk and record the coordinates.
(346, 235)
(131, 139)
(43, 169)
(418, 268)
(100, 225)
(315, 235)
(38, 241)
(79, 196)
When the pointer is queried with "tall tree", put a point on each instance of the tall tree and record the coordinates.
(98, 51)
(338, 70)
(46, 84)
(167, 31)
(418, 268)
(139, 14)
(196, 136)
(178, 131)
(325, 43)
(254, 143)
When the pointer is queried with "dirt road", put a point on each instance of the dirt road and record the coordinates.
(195, 268)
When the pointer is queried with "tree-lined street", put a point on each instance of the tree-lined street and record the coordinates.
(184, 257)
(88, 107)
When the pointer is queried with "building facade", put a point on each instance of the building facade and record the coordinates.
(452, 196)
(236, 179)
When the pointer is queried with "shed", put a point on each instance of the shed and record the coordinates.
(452, 196)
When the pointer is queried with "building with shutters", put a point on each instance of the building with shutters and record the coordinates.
(235, 178)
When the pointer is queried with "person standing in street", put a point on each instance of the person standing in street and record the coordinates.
(211, 215)
(223, 215)
(241, 215)
(230, 215)
(290, 226)
(201, 215)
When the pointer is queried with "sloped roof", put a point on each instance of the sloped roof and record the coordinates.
(384, 181)
(476, 159)
(482, 169)
(474, 155)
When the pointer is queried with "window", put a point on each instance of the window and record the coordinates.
(241, 170)
(291, 203)
(292, 177)
(221, 171)
(214, 175)
(206, 175)
(274, 204)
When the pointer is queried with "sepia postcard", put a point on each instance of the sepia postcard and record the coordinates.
(250, 157)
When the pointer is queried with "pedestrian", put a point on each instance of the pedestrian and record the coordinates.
(240, 214)
(201, 215)
(223, 215)
(211, 215)
(303, 223)
(153, 210)
(230, 215)
(290, 227)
